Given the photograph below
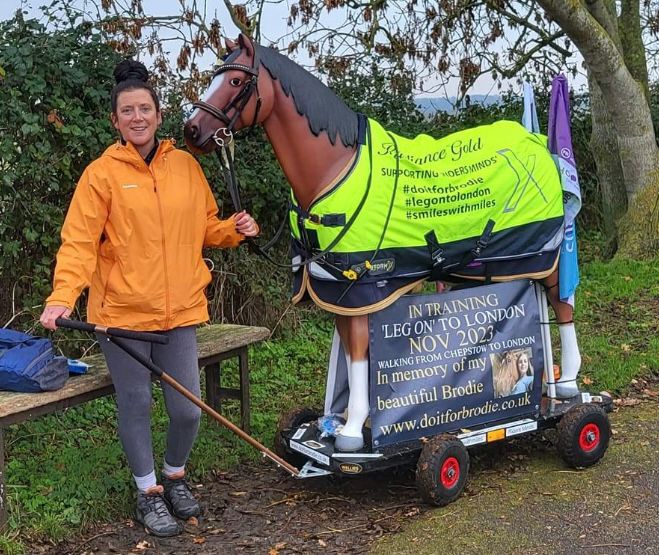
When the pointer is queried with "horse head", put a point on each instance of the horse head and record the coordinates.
(234, 99)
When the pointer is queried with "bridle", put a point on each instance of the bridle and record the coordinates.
(237, 103)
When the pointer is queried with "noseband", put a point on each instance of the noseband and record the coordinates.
(237, 103)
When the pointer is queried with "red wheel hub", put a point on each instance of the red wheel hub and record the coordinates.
(449, 474)
(589, 438)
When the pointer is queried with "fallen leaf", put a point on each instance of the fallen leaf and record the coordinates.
(192, 521)
(321, 543)
(141, 546)
(237, 493)
(626, 348)
(586, 380)
(273, 551)
(199, 540)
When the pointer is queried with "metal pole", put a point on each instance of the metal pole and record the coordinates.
(546, 339)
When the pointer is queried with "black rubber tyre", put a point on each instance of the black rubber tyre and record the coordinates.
(583, 435)
(442, 470)
(292, 419)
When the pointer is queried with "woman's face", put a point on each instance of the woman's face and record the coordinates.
(137, 119)
(522, 364)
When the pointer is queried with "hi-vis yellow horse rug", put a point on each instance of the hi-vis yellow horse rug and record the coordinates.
(483, 204)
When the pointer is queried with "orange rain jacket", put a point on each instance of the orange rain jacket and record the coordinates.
(134, 235)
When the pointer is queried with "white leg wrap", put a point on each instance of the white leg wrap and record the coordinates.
(570, 362)
(351, 438)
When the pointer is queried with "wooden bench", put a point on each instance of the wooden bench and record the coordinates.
(215, 344)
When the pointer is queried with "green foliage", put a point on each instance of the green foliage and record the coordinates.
(384, 95)
(55, 98)
(246, 288)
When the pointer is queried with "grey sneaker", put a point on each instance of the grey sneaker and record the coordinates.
(153, 514)
(180, 498)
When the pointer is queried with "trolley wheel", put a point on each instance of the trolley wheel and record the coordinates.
(442, 470)
(292, 419)
(583, 435)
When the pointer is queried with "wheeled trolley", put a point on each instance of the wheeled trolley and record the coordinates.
(438, 365)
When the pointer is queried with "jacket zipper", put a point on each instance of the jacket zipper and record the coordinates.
(164, 252)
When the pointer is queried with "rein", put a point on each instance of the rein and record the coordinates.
(224, 144)
(224, 151)
(225, 156)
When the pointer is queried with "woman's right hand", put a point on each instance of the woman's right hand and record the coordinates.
(52, 313)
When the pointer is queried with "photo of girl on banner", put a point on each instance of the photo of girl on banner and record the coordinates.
(512, 372)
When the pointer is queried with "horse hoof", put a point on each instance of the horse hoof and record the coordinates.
(566, 390)
(348, 443)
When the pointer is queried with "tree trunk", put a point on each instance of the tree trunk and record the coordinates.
(604, 146)
(630, 114)
(639, 230)
(633, 49)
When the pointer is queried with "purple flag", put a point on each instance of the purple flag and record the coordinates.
(560, 145)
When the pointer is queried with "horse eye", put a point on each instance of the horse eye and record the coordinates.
(235, 81)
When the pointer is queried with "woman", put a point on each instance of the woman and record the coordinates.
(133, 234)
(524, 374)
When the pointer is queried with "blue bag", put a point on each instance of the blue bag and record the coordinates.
(28, 365)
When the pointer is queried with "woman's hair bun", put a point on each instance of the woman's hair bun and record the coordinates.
(130, 70)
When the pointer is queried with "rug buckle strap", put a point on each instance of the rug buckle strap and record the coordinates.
(481, 245)
(436, 255)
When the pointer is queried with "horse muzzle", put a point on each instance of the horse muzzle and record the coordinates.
(198, 141)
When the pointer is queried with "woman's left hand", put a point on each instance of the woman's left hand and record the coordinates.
(246, 225)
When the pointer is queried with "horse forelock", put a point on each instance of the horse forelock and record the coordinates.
(324, 110)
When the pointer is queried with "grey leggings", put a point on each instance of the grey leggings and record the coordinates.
(132, 383)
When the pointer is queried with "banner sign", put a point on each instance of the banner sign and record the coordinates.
(449, 361)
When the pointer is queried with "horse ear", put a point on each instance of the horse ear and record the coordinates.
(246, 44)
(230, 45)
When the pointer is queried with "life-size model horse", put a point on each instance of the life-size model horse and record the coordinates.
(320, 143)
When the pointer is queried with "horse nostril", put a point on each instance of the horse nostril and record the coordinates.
(191, 131)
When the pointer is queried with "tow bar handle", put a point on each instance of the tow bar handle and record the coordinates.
(112, 332)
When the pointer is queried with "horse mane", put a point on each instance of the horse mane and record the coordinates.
(324, 110)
